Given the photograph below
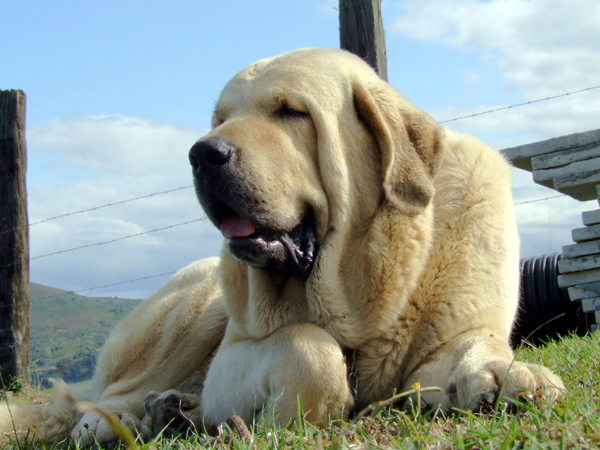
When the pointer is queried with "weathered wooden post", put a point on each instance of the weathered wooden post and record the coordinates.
(362, 33)
(14, 242)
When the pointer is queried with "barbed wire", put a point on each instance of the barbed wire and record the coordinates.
(117, 239)
(516, 105)
(110, 204)
(101, 206)
(172, 272)
(98, 287)
(105, 286)
(540, 199)
(110, 241)
(193, 221)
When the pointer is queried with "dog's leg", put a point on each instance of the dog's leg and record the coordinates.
(166, 343)
(474, 368)
(263, 379)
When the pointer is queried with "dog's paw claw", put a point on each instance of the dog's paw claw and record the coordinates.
(517, 382)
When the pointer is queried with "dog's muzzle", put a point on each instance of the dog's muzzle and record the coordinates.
(243, 220)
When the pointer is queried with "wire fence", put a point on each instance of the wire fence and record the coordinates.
(117, 239)
(169, 191)
(517, 105)
(111, 204)
(94, 208)
(134, 280)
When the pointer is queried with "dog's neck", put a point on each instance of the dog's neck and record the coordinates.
(362, 290)
(260, 302)
(359, 286)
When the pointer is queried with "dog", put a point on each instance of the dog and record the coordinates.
(366, 249)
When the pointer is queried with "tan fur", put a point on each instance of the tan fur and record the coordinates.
(167, 341)
(417, 269)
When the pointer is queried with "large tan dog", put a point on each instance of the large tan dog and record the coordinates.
(356, 229)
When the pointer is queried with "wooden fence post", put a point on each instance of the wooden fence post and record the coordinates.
(14, 242)
(362, 33)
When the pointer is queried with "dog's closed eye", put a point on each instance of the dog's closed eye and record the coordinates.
(285, 112)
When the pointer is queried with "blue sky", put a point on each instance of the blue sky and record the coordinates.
(165, 60)
(118, 92)
(169, 60)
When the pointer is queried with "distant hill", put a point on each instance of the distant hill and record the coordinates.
(37, 291)
(67, 331)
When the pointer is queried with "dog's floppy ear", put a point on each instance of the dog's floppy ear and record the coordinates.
(411, 144)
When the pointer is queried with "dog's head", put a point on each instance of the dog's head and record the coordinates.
(306, 143)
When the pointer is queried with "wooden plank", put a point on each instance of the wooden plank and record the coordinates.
(573, 279)
(521, 155)
(591, 217)
(543, 179)
(583, 192)
(362, 33)
(576, 170)
(590, 304)
(14, 240)
(586, 234)
(597, 317)
(583, 291)
(582, 249)
(559, 159)
(581, 182)
(579, 264)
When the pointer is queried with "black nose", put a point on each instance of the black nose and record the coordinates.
(210, 153)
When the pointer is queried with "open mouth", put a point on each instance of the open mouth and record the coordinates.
(244, 222)
(287, 253)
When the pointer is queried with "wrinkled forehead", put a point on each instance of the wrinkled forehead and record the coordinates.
(296, 76)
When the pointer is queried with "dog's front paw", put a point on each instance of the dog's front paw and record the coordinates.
(172, 412)
(476, 387)
(94, 428)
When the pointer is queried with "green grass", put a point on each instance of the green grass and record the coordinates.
(571, 422)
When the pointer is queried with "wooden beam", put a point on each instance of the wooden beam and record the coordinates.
(577, 278)
(591, 217)
(362, 33)
(521, 156)
(583, 291)
(579, 264)
(583, 249)
(559, 159)
(586, 233)
(14, 241)
(590, 304)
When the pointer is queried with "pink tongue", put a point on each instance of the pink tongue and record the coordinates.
(236, 227)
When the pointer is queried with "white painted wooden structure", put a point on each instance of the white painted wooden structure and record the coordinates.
(571, 165)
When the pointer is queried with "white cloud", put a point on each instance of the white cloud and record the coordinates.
(529, 123)
(542, 47)
(119, 145)
(82, 162)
